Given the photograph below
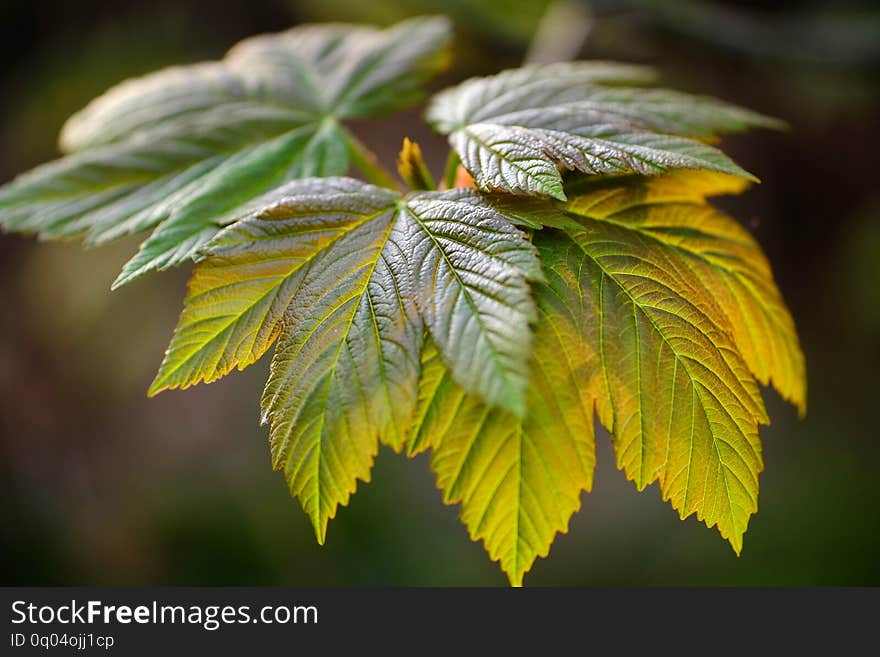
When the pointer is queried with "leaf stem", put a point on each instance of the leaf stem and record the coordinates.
(369, 165)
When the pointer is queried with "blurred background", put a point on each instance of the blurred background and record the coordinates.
(99, 485)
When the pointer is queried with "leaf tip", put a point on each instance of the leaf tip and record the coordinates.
(399, 443)
(127, 275)
(736, 542)
(156, 387)
(730, 167)
(320, 527)
(771, 122)
(557, 192)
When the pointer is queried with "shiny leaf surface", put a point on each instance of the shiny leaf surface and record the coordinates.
(515, 130)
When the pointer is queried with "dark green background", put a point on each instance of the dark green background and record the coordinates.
(99, 485)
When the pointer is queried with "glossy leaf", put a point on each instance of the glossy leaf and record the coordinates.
(487, 323)
(345, 371)
(347, 274)
(473, 268)
(518, 480)
(660, 312)
(684, 315)
(185, 150)
(515, 130)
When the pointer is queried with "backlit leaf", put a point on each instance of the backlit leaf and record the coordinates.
(183, 151)
(489, 324)
(518, 480)
(671, 210)
(348, 274)
(346, 368)
(658, 310)
(676, 395)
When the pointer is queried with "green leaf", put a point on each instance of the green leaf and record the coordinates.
(657, 310)
(430, 320)
(348, 274)
(239, 293)
(684, 314)
(518, 480)
(515, 130)
(467, 264)
(345, 371)
(183, 151)
(677, 397)
(671, 211)
(473, 268)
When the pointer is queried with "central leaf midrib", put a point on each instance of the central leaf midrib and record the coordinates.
(464, 288)
(513, 163)
(331, 369)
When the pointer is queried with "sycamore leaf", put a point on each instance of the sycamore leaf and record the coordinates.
(473, 267)
(348, 274)
(676, 395)
(659, 311)
(684, 315)
(518, 480)
(185, 150)
(431, 320)
(467, 263)
(345, 371)
(515, 130)
(672, 212)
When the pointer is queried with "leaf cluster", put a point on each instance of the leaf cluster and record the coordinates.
(570, 265)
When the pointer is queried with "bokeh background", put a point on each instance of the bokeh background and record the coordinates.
(99, 485)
